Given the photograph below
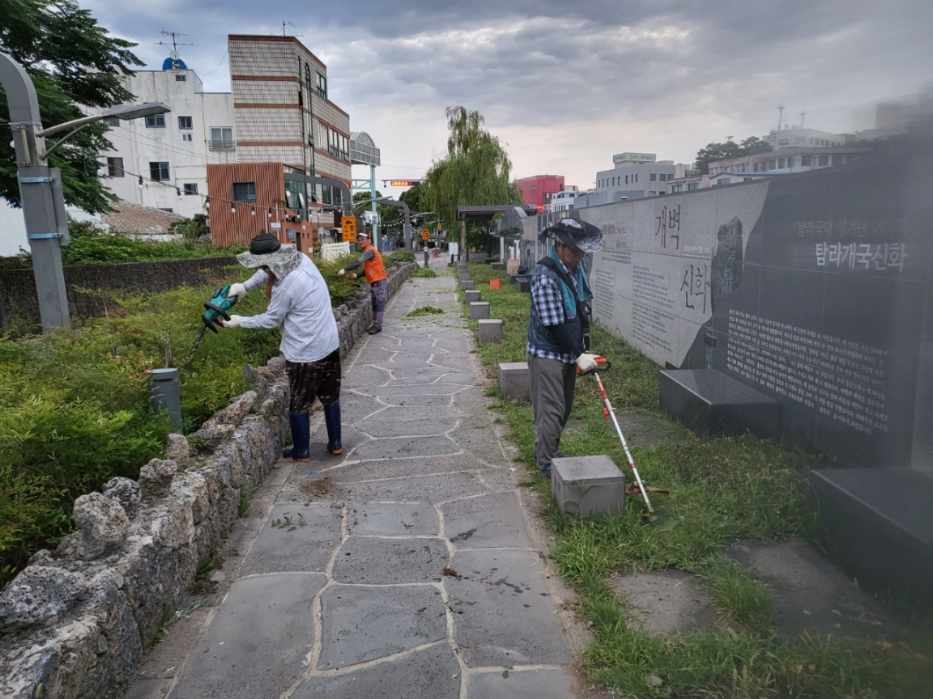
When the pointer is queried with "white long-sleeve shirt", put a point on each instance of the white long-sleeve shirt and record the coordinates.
(301, 305)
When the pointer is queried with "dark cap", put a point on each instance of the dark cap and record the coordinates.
(264, 243)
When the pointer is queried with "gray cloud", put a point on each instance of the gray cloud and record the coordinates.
(564, 81)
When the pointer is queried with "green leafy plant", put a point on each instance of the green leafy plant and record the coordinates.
(424, 311)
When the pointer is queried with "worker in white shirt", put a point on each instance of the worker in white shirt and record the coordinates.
(299, 304)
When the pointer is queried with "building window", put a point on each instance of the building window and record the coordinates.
(805, 160)
(115, 167)
(180, 77)
(158, 171)
(221, 138)
(692, 187)
(322, 85)
(626, 179)
(186, 137)
(636, 177)
(653, 177)
(772, 164)
(155, 121)
(338, 145)
(824, 160)
(191, 188)
(782, 163)
(185, 123)
(244, 191)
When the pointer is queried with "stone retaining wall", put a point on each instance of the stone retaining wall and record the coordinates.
(90, 286)
(76, 622)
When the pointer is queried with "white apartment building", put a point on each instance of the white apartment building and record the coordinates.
(785, 161)
(278, 111)
(633, 175)
(160, 161)
(562, 201)
(800, 137)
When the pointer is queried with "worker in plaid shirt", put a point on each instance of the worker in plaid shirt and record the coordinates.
(558, 331)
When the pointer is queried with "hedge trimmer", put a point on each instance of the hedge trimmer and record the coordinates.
(215, 308)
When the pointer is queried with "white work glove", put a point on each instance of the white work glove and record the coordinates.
(234, 322)
(341, 272)
(586, 363)
(237, 290)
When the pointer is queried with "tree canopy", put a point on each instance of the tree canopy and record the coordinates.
(73, 62)
(476, 170)
(728, 149)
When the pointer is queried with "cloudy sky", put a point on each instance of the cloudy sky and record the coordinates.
(566, 84)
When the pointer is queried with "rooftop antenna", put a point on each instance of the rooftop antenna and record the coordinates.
(173, 43)
(285, 30)
(780, 116)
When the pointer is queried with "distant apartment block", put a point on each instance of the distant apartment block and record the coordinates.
(562, 201)
(633, 176)
(536, 189)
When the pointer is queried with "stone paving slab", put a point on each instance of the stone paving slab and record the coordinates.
(403, 447)
(432, 673)
(378, 561)
(400, 423)
(257, 642)
(365, 623)
(502, 610)
(488, 521)
(433, 489)
(393, 519)
(296, 538)
(527, 684)
(398, 468)
(665, 602)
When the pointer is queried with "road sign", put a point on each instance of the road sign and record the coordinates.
(425, 233)
(348, 223)
(403, 183)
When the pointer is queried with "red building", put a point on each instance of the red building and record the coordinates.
(535, 189)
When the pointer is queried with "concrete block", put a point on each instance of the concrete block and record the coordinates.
(471, 296)
(479, 309)
(467, 285)
(490, 330)
(514, 381)
(588, 485)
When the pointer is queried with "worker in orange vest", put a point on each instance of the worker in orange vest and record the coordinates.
(375, 272)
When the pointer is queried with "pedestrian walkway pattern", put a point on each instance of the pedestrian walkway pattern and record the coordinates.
(405, 568)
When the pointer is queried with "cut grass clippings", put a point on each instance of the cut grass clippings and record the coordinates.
(424, 311)
(424, 273)
(722, 489)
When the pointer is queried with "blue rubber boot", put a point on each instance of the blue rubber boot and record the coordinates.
(332, 420)
(301, 436)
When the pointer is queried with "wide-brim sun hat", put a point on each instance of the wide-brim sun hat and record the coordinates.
(577, 234)
(265, 250)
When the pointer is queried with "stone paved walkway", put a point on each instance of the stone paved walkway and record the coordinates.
(406, 569)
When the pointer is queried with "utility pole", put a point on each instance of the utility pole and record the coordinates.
(41, 195)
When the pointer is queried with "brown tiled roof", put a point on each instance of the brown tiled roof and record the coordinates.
(127, 217)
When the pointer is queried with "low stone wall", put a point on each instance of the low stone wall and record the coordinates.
(88, 285)
(76, 622)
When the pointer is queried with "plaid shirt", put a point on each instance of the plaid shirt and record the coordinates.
(549, 303)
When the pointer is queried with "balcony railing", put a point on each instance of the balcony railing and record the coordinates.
(221, 145)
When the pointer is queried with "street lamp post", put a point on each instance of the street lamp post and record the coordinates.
(40, 187)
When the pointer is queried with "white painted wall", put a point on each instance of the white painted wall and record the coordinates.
(139, 145)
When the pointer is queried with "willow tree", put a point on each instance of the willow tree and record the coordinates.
(476, 170)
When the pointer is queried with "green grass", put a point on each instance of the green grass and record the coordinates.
(722, 489)
(424, 273)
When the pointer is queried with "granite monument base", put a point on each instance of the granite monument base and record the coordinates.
(479, 309)
(471, 296)
(878, 524)
(712, 403)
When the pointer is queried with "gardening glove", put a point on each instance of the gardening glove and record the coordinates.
(234, 322)
(236, 290)
(588, 362)
(341, 272)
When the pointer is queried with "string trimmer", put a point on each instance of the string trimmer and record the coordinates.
(214, 309)
(608, 412)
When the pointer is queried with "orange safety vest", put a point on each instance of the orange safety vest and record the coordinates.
(374, 270)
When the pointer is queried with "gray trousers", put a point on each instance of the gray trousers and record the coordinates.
(552, 388)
